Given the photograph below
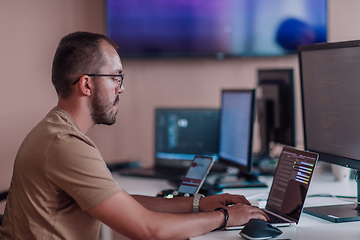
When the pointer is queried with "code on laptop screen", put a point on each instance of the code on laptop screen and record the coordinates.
(291, 182)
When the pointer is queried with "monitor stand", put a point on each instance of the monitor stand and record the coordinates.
(338, 213)
(266, 165)
(240, 181)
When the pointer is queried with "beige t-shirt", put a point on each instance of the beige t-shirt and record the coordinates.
(58, 174)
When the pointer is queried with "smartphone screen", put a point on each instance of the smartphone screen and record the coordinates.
(196, 174)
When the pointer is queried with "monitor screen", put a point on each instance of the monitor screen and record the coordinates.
(236, 128)
(150, 28)
(331, 112)
(183, 133)
(275, 108)
(331, 101)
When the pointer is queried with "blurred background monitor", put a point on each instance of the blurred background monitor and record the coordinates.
(183, 133)
(275, 110)
(179, 135)
(221, 28)
(237, 114)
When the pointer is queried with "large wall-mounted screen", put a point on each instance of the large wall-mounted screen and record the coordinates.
(152, 28)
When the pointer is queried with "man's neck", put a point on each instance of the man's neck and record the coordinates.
(79, 111)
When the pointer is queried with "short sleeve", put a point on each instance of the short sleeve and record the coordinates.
(77, 169)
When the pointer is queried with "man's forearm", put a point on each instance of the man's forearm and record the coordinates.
(173, 205)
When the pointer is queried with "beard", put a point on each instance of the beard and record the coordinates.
(102, 111)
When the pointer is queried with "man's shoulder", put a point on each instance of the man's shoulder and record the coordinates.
(55, 132)
(58, 120)
(58, 124)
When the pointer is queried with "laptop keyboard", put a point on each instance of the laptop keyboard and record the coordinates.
(276, 219)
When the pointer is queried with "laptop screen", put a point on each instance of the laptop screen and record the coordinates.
(291, 182)
(183, 133)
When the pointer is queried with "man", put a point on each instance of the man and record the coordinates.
(61, 187)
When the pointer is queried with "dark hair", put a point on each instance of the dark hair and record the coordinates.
(78, 53)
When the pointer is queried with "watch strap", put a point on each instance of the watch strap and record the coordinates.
(196, 202)
(226, 213)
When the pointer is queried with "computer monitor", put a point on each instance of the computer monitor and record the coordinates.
(331, 112)
(275, 109)
(236, 136)
(183, 133)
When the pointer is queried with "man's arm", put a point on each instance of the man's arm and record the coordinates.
(159, 204)
(127, 216)
(184, 204)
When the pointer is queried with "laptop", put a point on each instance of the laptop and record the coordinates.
(179, 135)
(289, 187)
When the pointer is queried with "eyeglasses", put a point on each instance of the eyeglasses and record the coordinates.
(117, 77)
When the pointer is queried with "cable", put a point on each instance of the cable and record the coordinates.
(343, 198)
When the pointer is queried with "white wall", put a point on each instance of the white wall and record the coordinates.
(343, 19)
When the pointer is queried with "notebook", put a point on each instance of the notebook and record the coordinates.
(289, 187)
(179, 135)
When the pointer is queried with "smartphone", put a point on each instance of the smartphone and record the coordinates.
(196, 175)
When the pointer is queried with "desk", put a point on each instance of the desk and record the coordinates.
(309, 227)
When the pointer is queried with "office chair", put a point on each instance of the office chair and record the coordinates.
(3, 196)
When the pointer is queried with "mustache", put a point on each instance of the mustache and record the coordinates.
(117, 99)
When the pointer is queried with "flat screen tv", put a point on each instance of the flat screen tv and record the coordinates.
(220, 28)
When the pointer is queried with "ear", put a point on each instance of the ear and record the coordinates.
(85, 85)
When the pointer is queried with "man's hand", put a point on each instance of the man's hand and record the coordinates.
(210, 203)
(240, 214)
(239, 208)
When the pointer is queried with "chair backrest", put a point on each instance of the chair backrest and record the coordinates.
(3, 196)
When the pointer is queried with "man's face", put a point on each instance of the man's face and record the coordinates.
(103, 110)
(107, 89)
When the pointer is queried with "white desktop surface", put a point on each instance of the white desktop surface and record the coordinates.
(309, 227)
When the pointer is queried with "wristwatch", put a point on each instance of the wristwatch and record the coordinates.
(196, 202)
